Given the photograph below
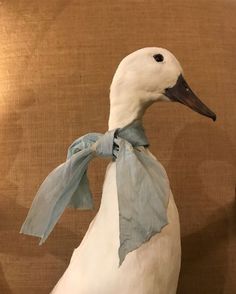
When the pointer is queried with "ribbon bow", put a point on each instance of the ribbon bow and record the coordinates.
(142, 187)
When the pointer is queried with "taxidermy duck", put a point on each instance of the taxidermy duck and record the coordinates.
(133, 243)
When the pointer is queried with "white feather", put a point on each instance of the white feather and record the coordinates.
(154, 267)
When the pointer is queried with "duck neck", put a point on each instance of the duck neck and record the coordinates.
(125, 109)
(121, 116)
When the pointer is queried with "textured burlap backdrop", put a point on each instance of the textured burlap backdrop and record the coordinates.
(57, 59)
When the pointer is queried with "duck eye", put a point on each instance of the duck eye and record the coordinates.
(158, 57)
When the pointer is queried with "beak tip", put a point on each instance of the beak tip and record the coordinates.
(213, 117)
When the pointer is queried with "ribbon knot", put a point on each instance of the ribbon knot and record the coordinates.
(142, 187)
(102, 145)
(105, 145)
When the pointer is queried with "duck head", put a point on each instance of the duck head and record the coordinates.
(146, 76)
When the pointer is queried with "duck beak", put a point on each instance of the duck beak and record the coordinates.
(182, 93)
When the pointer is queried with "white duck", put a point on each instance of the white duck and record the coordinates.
(146, 76)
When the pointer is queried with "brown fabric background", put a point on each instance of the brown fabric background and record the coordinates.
(57, 59)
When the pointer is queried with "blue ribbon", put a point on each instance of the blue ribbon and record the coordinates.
(142, 187)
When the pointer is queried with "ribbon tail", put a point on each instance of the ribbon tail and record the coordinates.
(54, 195)
(143, 194)
(82, 197)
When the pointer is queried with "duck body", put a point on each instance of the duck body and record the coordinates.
(142, 78)
(94, 268)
